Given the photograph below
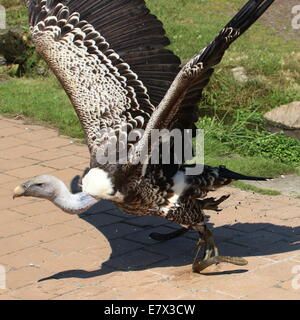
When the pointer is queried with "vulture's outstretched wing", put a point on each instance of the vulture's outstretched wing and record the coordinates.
(109, 56)
(186, 90)
(137, 37)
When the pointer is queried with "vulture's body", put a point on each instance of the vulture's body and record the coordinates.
(110, 57)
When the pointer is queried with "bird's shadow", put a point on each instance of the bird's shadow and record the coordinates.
(133, 249)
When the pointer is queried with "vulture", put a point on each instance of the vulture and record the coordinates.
(110, 57)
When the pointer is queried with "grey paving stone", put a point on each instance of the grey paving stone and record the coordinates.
(248, 227)
(119, 213)
(137, 260)
(148, 221)
(230, 249)
(143, 236)
(119, 230)
(103, 219)
(223, 234)
(257, 239)
(174, 247)
(122, 246)
(101, 207)
(277, 248)
(284, 230)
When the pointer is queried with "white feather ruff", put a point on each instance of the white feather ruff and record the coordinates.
(179, 183)
(179, 186)
(98, 184)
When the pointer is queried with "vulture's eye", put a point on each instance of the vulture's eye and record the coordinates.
(39, 184)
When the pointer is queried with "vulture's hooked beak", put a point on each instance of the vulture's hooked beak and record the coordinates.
(19, 191)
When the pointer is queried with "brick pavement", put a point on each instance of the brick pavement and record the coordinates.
(105, 254)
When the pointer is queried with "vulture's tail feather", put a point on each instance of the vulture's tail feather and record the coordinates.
(225, 173)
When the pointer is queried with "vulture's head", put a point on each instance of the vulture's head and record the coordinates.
(54, 190)
(45, 187)
(95, 186)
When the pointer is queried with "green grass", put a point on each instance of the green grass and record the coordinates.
(40, 100)
(245, 144)
(231, 111)
(248, 187)
(271, 62)
(11, 3)
(273, 66)
(16, 13)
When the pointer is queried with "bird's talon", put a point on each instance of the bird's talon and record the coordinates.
(200, 265)
(238, 261)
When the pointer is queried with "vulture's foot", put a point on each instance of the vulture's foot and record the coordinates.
(167, 236)
(213, 203)
(212, 254)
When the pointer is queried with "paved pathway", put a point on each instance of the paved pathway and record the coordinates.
(105, 254)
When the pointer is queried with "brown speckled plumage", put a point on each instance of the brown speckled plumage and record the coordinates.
(110, 57)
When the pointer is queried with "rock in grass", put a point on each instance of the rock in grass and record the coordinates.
(239, 74)
(16, 48)
(2, 61)
(287, 116)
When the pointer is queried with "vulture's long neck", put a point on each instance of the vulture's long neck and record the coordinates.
(73, 203)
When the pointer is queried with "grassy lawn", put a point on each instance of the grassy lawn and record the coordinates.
(231, 111)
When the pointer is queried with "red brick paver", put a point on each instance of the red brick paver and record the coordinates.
(105, 254)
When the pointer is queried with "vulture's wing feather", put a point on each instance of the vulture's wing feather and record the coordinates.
(179, 108)
(137, 36)
(89, 44)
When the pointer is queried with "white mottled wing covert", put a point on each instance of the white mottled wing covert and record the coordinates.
(105, 92)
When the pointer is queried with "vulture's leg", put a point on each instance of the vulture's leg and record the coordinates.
(207, 241)
(168, 236)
